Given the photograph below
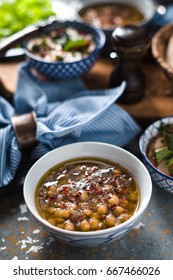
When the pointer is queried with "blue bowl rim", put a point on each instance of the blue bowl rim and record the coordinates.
(141, 139)
(97, 31)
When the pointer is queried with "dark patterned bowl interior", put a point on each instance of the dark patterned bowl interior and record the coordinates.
(63, 70)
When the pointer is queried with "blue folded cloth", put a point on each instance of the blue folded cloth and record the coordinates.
(66, 112)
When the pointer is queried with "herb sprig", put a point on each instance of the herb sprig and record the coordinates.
(166, 153)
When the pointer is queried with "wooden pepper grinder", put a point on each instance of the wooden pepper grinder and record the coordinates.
(130, 44)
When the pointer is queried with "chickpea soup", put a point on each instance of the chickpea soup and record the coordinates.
(87, 195)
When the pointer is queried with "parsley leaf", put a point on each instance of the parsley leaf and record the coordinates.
(162, 154)
(75, 44)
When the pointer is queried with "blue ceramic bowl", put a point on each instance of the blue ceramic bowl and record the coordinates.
(63, 70)
(162, 180)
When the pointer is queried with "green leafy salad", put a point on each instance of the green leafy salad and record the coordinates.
(17, 14)
(160, 149)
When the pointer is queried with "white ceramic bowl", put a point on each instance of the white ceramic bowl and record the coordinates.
(162, 180)
(81, 150)
(147, 7)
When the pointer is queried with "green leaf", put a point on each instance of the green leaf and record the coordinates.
(74, 44)
(167, 131)
(170, 161)
(169, 140)
(17, 14)
(163, 153)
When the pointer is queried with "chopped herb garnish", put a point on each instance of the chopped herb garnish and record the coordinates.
(170, 162)
(160, 149)
(75, 45)
(162, 154)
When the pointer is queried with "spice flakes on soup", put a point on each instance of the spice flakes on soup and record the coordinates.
(87, 195)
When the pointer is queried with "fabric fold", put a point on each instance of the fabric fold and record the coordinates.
(66, 112)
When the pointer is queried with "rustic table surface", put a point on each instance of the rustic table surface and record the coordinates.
(22, 238)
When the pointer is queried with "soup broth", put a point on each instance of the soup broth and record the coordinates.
(87, 195)
(111, 15)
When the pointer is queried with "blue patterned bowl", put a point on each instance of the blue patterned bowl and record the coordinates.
(97, 150)
(162, 180)
(63, 70)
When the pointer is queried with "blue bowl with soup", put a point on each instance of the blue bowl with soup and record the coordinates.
(88, 193)
(156, 146)
(65, 50)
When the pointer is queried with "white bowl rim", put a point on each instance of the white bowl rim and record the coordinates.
(132, 219)
(141, 139)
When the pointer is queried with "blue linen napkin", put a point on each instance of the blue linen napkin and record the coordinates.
(66, 112)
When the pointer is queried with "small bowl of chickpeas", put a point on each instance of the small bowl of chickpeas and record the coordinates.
(88, 193)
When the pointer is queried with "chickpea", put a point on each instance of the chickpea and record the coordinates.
(102, 209)
(59, 220)
(51, 210)
(124, 202)
(69, 226)
(65, 213)
(87, 212)
(94, 223)
(117, 172)
(52, 221)
(60, 226)
(85, 226)
(108, 188)
(58, 213)
(52, 192)
(84, 196)
(44, 206)
(53, 188)
(73, 206)
(95, 215)
(94, 203)
(133, 197)
(114, 200)
(118, 210)
(110, 220)
(124, 217)
(131, 206)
